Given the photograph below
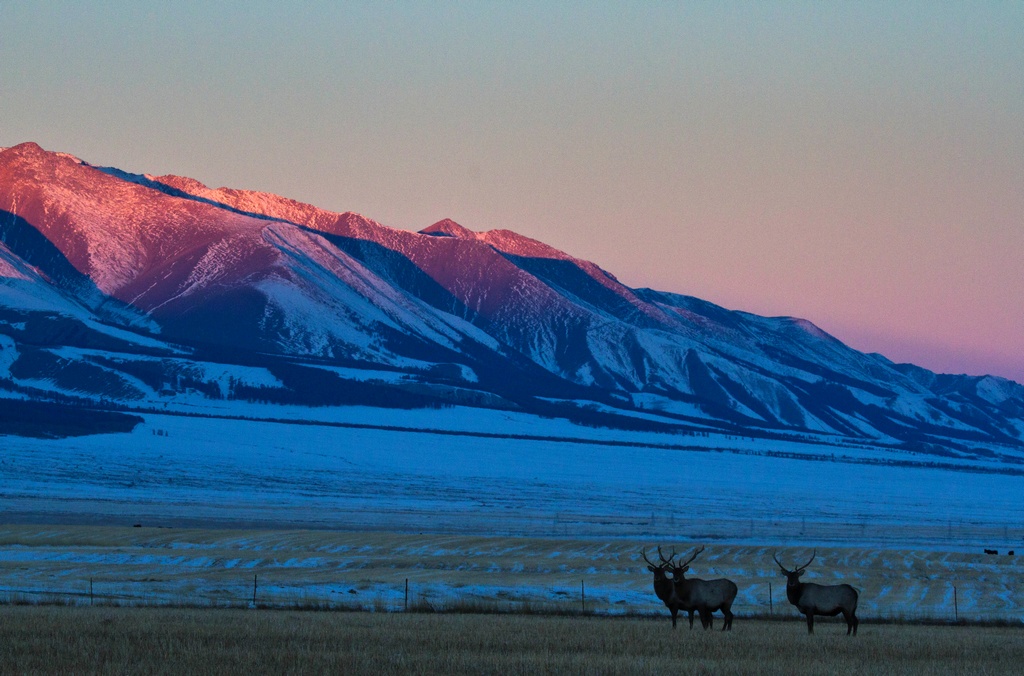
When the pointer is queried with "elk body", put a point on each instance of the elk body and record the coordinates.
(815, 599)
(704, 596)
(701, 596)
(664, 586)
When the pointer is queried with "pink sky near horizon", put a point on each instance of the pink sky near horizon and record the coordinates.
(861, 166)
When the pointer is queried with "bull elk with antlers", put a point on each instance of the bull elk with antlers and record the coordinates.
(664, 586)
(815, 599)
(691, 595)
(704, 596)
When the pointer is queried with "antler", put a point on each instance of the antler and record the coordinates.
(695, 553)
(643, 553)
(787, 572)
(668, 561)
(801, 568)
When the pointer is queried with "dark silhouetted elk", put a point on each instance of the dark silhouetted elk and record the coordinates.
(664, 586)
(816, 599)
(703, 596)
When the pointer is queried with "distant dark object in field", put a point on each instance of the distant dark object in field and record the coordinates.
(814, 599)
(1009, 553)
(136, 525)
(664, 587)
(991, 551)
(704, 596)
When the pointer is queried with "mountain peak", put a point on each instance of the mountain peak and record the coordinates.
(34, 154)
(448, 228)
(28, 151)
(28, 147)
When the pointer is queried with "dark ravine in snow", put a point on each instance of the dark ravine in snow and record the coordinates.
(132, 290)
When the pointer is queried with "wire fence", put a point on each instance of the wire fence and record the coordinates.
(396, 572)
(936, 602)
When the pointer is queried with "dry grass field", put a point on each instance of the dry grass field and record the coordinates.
(358, 570)
(55, 639)
(530, 590)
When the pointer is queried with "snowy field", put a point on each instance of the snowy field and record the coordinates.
(177, 471)
(906, 535)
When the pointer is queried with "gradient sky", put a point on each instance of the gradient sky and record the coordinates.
(858, 164)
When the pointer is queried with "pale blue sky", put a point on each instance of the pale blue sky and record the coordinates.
(858, 164)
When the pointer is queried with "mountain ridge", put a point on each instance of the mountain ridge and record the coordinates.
(461, 315)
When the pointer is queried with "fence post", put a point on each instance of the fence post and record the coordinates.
(90, 592)
(583, 595)
(771, 602)
(406, 594)
(956, 609)
(254, 590)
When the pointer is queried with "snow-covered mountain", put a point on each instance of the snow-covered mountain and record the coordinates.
(137, 290)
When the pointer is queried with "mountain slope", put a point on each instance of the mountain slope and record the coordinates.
(172, 276)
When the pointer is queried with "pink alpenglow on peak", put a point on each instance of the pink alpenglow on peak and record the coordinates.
(489, 316)
(449, 228)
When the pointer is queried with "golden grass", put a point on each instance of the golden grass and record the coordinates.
(324, 569)
(154, 640)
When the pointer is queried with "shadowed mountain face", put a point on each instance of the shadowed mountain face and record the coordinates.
(138, 288)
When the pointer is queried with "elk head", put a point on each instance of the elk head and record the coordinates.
(681, 568)
(793, 576)
(663, 584)
(659, 569)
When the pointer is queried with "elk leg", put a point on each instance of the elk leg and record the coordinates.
(673, 611)
(691, 620)
(705, 619)
(728, 619)
(851, 623)
(810, 623)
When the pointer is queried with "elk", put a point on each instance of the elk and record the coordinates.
(664, 586)
(815, 599)
(704, 596)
